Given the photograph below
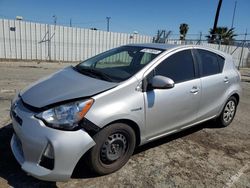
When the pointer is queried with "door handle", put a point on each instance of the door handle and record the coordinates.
(194, 90)
(226, 79)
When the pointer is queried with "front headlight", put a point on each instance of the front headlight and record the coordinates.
(66, 116)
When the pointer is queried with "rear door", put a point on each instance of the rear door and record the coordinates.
(214, 83)
(171, 109)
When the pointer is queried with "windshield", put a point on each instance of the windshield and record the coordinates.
(118, 64)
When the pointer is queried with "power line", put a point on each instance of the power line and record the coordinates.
(90, 22)
(57, 22)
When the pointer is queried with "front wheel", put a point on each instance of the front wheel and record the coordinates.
(114, 146)
(228, 112)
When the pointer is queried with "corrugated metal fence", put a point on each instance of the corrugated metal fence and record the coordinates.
(35, 41)
(24, 40)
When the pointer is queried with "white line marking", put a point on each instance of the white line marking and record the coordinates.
(236, 177)
(7, 90)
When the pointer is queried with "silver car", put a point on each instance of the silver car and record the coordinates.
(120, 99)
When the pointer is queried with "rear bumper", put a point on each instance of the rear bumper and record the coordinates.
(31, 138)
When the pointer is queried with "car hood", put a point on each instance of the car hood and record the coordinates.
(63, 85)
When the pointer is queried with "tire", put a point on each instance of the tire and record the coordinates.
(114, 146)
(227, 115)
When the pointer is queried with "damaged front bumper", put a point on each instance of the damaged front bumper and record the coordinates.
(43, 152)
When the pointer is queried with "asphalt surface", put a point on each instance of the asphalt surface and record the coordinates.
(203, 156)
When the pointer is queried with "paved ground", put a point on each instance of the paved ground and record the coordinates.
(204, 156)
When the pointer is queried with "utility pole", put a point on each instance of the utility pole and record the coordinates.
(200, 38)
(49, 42)
(242, 49)
(216, 20)
(55, 19)
(108, 19)
(235, 4)
(70, 22)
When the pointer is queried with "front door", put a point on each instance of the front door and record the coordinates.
(170, 109)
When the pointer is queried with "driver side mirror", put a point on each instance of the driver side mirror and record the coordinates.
(162, 82)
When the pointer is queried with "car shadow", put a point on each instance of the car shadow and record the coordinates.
(82, 170)
(211, 124)
(11, 171)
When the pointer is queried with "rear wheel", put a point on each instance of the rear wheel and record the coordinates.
(228, 112)
(114, 146)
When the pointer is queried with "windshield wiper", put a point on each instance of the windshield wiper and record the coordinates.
(94, 73)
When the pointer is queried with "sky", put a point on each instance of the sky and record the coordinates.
(143, 16)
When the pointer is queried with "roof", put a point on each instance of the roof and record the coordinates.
(163, 46)
(155, 45)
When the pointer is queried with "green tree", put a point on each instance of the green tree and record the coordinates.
(221, 35)
(183, 31)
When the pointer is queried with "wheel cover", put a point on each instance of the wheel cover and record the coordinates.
(113, 148)
(229, 111)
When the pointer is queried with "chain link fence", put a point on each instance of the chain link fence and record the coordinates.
(240, 50)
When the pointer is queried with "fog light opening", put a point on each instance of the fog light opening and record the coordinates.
(47, 159)
(49, 152)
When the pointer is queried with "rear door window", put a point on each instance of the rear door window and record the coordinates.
(209, 63)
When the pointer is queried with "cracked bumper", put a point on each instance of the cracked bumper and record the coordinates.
(31, 138)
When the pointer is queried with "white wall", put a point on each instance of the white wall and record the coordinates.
(30, 41)
(36, 41)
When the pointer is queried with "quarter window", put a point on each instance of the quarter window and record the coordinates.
(179, 67)
(147, 57)
(221, 62)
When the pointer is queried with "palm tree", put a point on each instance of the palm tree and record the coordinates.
(183, 30)
(221, 35)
